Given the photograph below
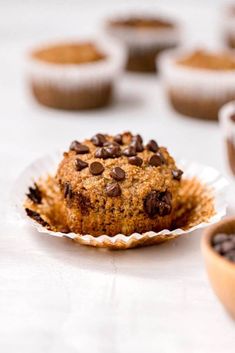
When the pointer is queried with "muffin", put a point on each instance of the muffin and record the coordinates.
(228, 26)
(111, 185)
(199, 82)
(227, 122)
(144, 38)
(75, 75)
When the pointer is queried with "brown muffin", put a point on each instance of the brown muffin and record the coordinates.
(144, 37)
(74, 75)
(114, 185)
(199, 82)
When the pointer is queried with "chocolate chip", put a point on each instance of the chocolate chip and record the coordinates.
(158, 203)
(137, 145)
(113, 151)
(80, 164)
(137, 142)
(156, 159)
(219, 238)
(36, 216)
(224, 244)
(68, 192)
(83, 202)
(135, 161)
(118, 139)
(74, 145)
(177, 174)
(113, 189)
(96, 168)
(79, 148)
(98, 140)
(218, 248)
(129, 151)
(152, 146)
(35, 194)
(231, 255)
(102, 153)
(137, 138)
(118, 174)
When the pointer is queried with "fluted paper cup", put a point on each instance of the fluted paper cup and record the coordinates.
(213, 187)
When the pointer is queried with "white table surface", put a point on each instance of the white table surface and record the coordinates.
(56, 296)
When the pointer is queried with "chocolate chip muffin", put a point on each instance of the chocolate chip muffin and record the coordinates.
(199, 82)
(145, 37)
(116, 184)
(75, 75)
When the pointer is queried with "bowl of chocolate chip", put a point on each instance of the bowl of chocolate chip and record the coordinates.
(218, 247)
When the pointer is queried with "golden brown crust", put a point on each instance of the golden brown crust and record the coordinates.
(201, 59)
(142, 23)
(72, 53)
(90, 210)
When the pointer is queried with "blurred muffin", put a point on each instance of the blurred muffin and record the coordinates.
(228, 26)
(144, 38)
(113, 184)
(75, 75)
(199, 82)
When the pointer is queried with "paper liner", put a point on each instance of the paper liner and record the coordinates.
(74, 76)
(192, 82)
(146, 39)
(215, 184)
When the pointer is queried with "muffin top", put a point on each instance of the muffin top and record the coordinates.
(142, 23)
(121, 165)
(202, 59)
(71, 53)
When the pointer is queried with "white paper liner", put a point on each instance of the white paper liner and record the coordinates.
(48, 165)
(143, 39)
(74, 76)
(201, 83)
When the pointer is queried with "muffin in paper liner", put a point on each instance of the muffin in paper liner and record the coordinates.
(196, 92)
(227, 26)
(227, 122)
(143, 46)
(203, 191)
(78, 86)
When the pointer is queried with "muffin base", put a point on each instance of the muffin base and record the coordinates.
(73, 99)
(195, 205)
(230, 41)
(206, 108)
(144, 60)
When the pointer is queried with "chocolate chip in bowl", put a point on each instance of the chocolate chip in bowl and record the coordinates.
(121, 193)
(218, 248)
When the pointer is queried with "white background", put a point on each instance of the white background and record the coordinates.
(59, 297)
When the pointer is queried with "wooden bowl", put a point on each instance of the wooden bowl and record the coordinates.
(221, 271)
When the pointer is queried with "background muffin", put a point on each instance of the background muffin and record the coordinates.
(228, 26)
(144, 37)
(199, 82)
(117, 185)
(75, 75)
